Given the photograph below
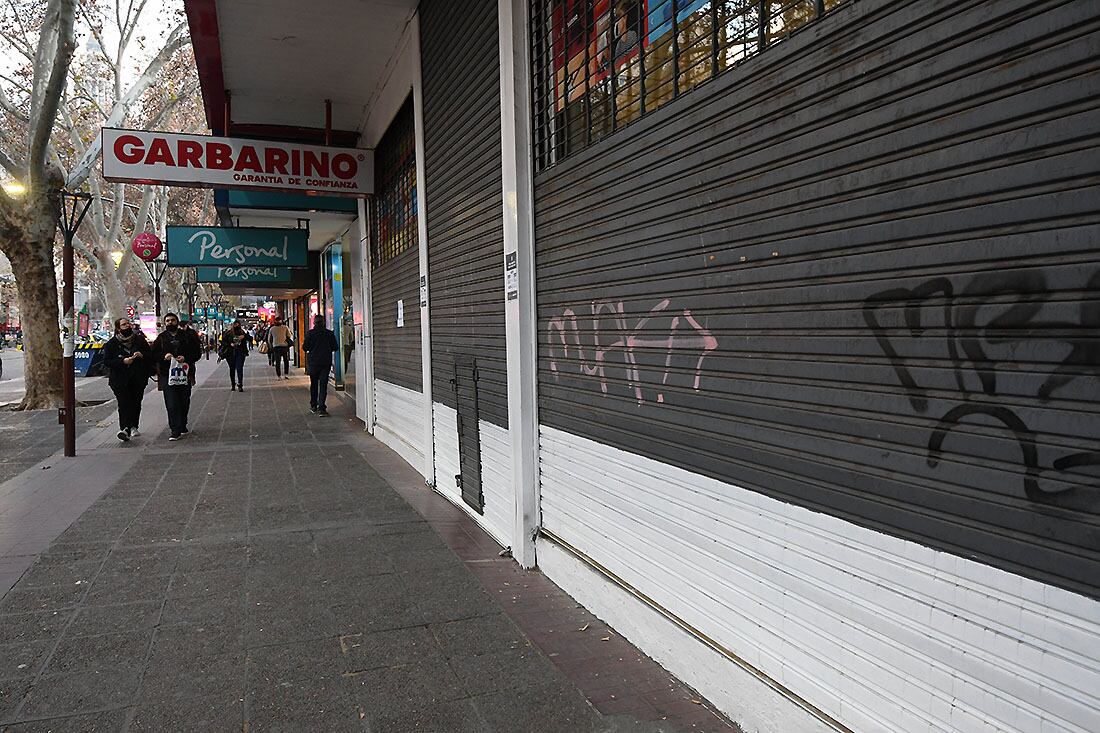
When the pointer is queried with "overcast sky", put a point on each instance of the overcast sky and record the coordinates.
(157, 20)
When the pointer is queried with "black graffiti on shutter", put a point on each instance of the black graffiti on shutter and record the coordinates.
(670, 343)
(966, 341)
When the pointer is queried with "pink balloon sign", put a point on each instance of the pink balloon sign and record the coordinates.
(147, 246)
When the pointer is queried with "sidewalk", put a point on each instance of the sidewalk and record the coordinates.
(269, 572)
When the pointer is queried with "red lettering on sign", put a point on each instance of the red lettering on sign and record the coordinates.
(159, 152)
(248, 160)
(315, 165)
(343, 166)
(128, 149)
(296, 162)
(189, 154)
(219, 156)
(275, 160)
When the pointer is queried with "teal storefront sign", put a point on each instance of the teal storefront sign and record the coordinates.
(243, 274)
(237, 247)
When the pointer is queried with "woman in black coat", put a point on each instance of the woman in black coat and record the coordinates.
(128, 358)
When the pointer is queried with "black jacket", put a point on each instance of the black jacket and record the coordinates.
(319, 345)
(120, 374)
(232, 342)
(180, 342)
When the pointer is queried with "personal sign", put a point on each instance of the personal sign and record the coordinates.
(237, 247)
(243, 274)
(202, 161)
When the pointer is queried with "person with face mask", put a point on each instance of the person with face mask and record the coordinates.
(236, 343)
(128, 358)
(175, 355)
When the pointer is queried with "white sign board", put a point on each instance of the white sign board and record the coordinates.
(202, 161)
(400, 314)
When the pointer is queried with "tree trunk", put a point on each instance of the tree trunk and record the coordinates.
(110, 278)
(36, 281)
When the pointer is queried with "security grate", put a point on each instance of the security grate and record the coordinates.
(601, 64)
(393, 211)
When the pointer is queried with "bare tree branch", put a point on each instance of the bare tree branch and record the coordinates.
(96, 34)
(176, 40)
(11, 165)
(23, 44)
(131, 22)
(10, 108)
(64, 45)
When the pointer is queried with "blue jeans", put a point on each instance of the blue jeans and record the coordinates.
(318, 388)
(236, 367)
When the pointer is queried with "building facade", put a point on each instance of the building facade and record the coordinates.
(766, 330)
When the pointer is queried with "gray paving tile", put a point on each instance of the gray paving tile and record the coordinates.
(110, 721)
(413, 645)
(405, 689)
(115, 618)
(316, 705)
(47, 598)
(23, 659)
(107, 651)
(33, 626)
(479, 635)
(12, 693)
(80, 692)
(447, 717)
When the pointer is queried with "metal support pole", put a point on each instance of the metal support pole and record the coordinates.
(73, 208)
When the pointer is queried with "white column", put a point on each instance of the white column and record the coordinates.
(422, 235)
(365, 341)
(519, 274)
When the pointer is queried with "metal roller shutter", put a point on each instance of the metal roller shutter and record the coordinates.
(859, 273)
(462, 161)
(395, 273)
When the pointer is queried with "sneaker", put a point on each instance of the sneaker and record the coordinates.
(312, 409)
(123, 436)
(134, 432)
(232, 387)
(322, 413)
(240, 389)
(174, 436)
(185, 431)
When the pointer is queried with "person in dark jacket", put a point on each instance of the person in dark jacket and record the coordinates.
(236, 343)
(128, 358)
(175, 354)
(319, 345)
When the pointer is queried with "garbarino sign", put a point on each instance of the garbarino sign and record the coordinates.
(203, 161)
(237, 247)
(243, 274)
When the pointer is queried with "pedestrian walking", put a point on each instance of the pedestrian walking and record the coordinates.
(236, 343)
(129, 361)
(279, 341)
(175, 354)
(319, 344)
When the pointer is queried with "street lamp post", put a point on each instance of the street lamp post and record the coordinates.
(73, 208)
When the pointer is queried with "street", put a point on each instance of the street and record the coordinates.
(12, 384)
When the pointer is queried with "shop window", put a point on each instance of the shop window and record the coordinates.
(393, 208)
(601, 64)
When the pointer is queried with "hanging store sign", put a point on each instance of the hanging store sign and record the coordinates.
(243, 274)
(237, 247)
(202, 161)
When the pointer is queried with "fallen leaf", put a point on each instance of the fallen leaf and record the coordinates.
(606, 638)
(697, 702)
(584, 628)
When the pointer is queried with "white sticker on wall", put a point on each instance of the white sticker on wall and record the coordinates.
(511, 276)
(400, 314)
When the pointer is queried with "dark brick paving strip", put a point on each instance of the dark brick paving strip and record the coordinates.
(262, 575)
